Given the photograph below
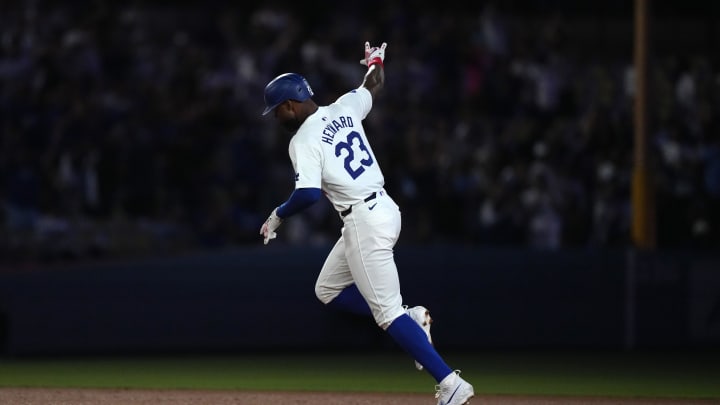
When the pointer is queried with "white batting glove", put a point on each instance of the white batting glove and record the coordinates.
(374, 55)
(267, 230)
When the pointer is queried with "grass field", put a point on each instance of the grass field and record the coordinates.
(627, 374)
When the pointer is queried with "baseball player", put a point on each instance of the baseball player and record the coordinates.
(331, 155)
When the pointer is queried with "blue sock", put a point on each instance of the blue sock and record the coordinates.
(350, 300)
(410, 336)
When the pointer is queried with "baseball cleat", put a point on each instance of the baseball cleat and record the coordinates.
(421, 316)
(453, 390)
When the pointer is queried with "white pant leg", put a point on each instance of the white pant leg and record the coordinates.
(335, 274)
(370, 234)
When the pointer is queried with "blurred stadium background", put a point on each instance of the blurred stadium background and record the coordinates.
(136, 170)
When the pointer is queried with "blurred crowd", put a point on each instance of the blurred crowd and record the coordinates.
(133, 128)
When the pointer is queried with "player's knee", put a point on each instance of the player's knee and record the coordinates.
(385, 322)
(325, 295)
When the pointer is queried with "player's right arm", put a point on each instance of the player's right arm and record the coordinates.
(374, 79)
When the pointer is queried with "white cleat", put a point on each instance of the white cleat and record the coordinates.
(421, 316)
(453, 390)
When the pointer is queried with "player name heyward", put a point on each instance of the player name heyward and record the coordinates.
(332, 128)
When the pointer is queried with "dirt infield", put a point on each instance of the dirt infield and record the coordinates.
(65, 396)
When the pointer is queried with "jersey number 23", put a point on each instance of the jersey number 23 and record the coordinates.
(365, 159)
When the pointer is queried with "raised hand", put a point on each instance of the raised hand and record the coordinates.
(374, 55)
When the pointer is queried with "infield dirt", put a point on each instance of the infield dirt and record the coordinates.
(68, 396)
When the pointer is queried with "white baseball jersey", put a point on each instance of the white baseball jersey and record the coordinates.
(330, 151)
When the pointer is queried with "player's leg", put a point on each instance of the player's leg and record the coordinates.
(369, 238)
(335, 286)
(380, 270)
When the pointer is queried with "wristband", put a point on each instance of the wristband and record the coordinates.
(376, 61)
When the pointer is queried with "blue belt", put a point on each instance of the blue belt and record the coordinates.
(349, 210)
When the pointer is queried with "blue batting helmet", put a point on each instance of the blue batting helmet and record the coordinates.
(287, 86)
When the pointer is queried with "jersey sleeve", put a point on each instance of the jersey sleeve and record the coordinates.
(359, 100)
(307, 160)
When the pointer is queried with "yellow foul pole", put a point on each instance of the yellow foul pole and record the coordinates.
(643, 204)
